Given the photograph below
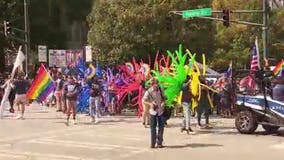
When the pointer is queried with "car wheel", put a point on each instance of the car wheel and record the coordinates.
(246, 122)
(269, 128)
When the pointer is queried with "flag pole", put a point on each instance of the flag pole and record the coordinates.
(15, 67)
(8, 88)
(47, 72)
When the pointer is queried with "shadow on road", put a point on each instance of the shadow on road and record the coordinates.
(194, 145)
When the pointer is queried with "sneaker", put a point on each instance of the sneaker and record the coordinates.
(67, 122)
(160, 146)
(92, 120)
(190, 130)
(208, 126)
(199, 127)
(19, 116)
(74, 121)
(96, 121)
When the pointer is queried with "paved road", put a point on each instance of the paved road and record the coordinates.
(44, 136)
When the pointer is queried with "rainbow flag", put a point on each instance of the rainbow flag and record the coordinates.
(41, 86)
(279, 68)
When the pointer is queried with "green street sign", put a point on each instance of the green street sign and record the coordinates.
(197, 13)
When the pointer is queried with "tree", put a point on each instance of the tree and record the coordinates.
(276, 34)
(9, 12)
(120, 30)
(235, 42)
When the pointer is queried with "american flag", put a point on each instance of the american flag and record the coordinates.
(255, 65)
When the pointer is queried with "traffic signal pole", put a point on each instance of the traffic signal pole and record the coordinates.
(265, 31)
(264, 25)
(8, 32)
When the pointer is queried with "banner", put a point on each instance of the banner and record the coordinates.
(88, 51)
(72, 56)
(57, 58)
(42, 53)
(276, 4)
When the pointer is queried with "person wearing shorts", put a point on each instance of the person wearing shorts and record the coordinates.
(21, 87)
(72, 90)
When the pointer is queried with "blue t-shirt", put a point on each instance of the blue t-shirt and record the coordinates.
(21, 86)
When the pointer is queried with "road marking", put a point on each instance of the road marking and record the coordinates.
(126, 137)
(9, 155)
(69, 144)
(131, 150)
(39, 155)
(37, 135)
(82, 144)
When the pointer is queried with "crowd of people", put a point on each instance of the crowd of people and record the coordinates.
(155, 113)
(103, 100)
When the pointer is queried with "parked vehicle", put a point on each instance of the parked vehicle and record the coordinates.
(259, 109)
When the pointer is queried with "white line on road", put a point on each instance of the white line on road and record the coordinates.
(69, 144)
(126, 137)
(82, 144)
(40, 134)
(8, 155)
(38, 155)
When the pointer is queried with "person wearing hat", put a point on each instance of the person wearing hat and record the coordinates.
(154, 98)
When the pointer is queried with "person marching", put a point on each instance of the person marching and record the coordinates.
(154, 98)
(21, 87)
(203, 105)
(94, 101)
(58, 93)
(186, 105)
(72, 90)
(12, 95)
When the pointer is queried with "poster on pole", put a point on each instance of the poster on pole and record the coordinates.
(276, 4)
(72, 56)
(42, 53)
(57, 58)
(88, 52)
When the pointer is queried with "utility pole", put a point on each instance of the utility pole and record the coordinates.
(27, 34)
(265, 30)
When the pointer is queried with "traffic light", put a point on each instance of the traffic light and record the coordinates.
(168, 23)
(226, 17)
(7, 28)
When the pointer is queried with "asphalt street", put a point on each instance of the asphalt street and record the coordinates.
(43, 135)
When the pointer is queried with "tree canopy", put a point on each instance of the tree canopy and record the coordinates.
(122, 29)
